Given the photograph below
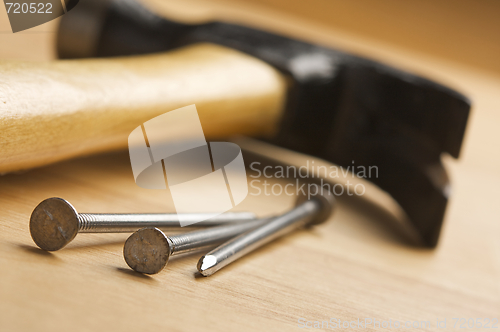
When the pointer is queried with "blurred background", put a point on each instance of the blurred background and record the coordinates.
(464, 31)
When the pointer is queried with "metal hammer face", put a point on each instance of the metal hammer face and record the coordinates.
(340, 107)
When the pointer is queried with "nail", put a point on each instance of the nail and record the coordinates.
(312, 211)
(55, 222)
(149, 249)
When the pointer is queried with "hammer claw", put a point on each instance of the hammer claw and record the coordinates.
(340, 107)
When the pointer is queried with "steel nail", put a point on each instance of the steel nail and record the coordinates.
(55, 222)
(149, 249)
(312, 211)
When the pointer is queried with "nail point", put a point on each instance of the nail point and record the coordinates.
(207, 262)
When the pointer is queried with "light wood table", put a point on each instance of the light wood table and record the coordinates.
(356, 266)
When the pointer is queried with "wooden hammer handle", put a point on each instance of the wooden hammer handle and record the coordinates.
(62, 109)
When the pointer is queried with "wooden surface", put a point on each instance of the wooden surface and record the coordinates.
(466, 31)
(52, 111)
(357, 265)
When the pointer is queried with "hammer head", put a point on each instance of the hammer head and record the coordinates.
(340, 107)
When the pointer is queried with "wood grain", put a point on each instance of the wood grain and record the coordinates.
(55, 110)
(357, 265)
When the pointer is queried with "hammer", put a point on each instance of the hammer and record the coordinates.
(300, 96)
